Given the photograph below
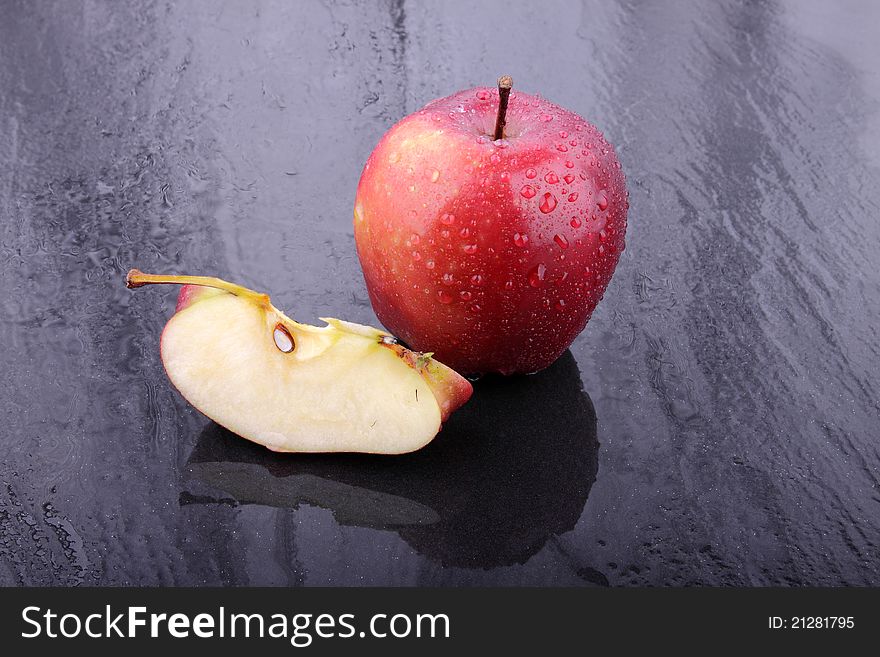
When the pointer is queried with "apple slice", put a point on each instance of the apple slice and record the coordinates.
(293, 387)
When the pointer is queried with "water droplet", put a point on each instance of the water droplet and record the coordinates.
(572, 197)
(602, 200)
(465, 232)
(416, 256)
(546, 118)
(505, 176)
(482, 139)
(561, 241)
(537, 274)
(528, 191)
(495, 158)
(602, 234)
(573, 143)
(562, 148)
(435, 175)
(470, 249)
(531, 173)
(447, 219)
(575, 222)
(283, 340)
(601, 249)
(508, 285)
(447, 279)
(430, 264)
(548, 203)
(444, 296)
(414, 239)
(476, 280)
(444, 234)
(569, 164)
(475, 308)
(551, 178)
(520, 239)
(568, 178)
(482, 94)
(465, 295)
(563, 134)
(559, 305)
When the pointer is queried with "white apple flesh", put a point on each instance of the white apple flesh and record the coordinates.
(294, 387)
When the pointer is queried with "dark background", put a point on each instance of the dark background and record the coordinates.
(716, 423)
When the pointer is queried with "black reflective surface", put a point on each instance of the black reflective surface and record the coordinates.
(716, 423)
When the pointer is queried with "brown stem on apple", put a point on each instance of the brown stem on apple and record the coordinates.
(505, 82)
(137, 278)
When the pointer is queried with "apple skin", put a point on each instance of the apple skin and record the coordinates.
(490, 254)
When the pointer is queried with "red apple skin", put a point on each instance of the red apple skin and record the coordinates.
(491, 255)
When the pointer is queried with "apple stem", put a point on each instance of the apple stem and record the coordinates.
(505, 82)
(136, 278)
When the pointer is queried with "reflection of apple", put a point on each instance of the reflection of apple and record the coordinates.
(511, 468)
(297, 388)
(490, 253)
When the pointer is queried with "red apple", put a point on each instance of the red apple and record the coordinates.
(491, 253)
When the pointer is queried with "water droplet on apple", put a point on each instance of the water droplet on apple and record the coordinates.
(474, 308)
(447, 279)
(482, 139)
(562, 148)
(601, 249)
(548, 203)
(551, 178)
(435, 175)
(416, 256)
(537, 274)
(546, 118)
(575, 222)
(505, 176)
(568, 178)
(508, 285)
(482, 94)
(559, 305)
(531, 173)
(573, 143)
(470, 249)
(465, 295)
(447, 219)
(501, 143)
(572, 197)
(476, 280)
(569, 164)
(602, 200)
(495, 158)
(444, 234)
(465, 232)
(444, 296)
(527, 191)
(561, 241)
(414, 239)
(430, 264)
(283, 339)
(520, 239)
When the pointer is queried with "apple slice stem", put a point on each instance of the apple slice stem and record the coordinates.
(137, 278)
(505, 83)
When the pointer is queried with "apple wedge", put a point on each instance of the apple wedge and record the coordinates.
(293, 387)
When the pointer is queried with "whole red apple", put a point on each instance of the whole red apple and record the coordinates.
(491, 253)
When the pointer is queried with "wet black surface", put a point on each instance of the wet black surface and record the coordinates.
(716, 423)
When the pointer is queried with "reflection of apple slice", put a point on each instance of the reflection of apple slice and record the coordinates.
(297, 388)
